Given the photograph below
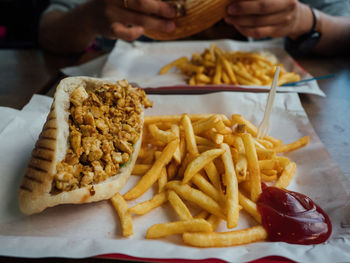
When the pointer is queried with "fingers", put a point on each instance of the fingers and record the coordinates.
(124, 32)
(261, 32)
(263, 18)
(143, 20)
(281, 18)
(152, 7)
(260, 7)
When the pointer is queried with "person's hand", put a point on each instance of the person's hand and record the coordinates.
(269, 18)
(114, 20)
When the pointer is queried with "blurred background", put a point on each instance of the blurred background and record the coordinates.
(19, 22)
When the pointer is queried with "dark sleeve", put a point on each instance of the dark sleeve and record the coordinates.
(63, 5)
(331, 7)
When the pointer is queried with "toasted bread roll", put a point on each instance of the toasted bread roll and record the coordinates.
(193, 17)
(88, 145)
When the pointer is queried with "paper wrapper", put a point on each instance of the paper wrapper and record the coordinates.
(94, 229)
(140, 62)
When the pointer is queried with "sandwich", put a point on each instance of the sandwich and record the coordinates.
(193, 16)
(88, 145)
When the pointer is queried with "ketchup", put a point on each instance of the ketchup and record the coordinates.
(292, 217)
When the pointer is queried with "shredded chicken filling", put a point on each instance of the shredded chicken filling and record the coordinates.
(104, 125)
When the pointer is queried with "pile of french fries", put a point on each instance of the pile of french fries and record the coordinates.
(216, 66)
(211, 163)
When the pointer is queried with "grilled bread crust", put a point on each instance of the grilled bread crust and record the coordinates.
(199, 15)
(35, 191)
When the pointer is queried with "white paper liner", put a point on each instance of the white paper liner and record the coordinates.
(93, 229)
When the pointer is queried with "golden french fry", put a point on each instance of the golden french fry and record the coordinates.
(213, 175)
(179, 206)
(178, 227)
(294, 145)
(218, 73)
(268, 164)
(206, 124)
(196, 196)
(172, 169)
(268, 177)
(286, 176)
(177, 155)
(213, 136)
(203, 78)
(188, 158)
(214, 221)
(253, 166)
(163, 178)
(164, 136)
(146, 206)
(178, 117)
(231, 188)
(265, 154)
(189, 135)
(228, 68)
(176, 62)
(249, 206)
(199, 162)
(121, 207)
(140, 169)
(204, 141)
(202, 214)
(153, 174)
(208, 188)
(225, 239)
(267, 144)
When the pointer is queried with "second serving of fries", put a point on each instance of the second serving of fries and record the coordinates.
(209, 168)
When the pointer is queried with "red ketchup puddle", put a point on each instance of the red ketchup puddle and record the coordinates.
(292, 217)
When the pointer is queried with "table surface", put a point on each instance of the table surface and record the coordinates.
(26, 72)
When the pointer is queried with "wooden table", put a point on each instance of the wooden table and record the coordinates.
(25, 72)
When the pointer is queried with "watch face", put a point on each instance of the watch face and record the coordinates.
(309, 41)
(304, 44)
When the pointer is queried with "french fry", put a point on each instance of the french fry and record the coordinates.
(178, 227)
(202, 214)
(204, 141)
(253, 167)
(225, 239)
(196, 196)
(179, 206)
(228, 68)
(121, 207)
(294, 145)
(153, 174)
(167, 67)
(231, 188)
(199, 162)
(208, 188)
(286, 176)
(213, 175)
(206, 124)
(177, 155)
(268, 177)
(214, 221)
(189, 135)
(146, 206)
(249, 206)
(265, 154)
(140, 169)
(164, 136)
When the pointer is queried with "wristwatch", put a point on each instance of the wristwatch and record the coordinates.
(304, 44)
